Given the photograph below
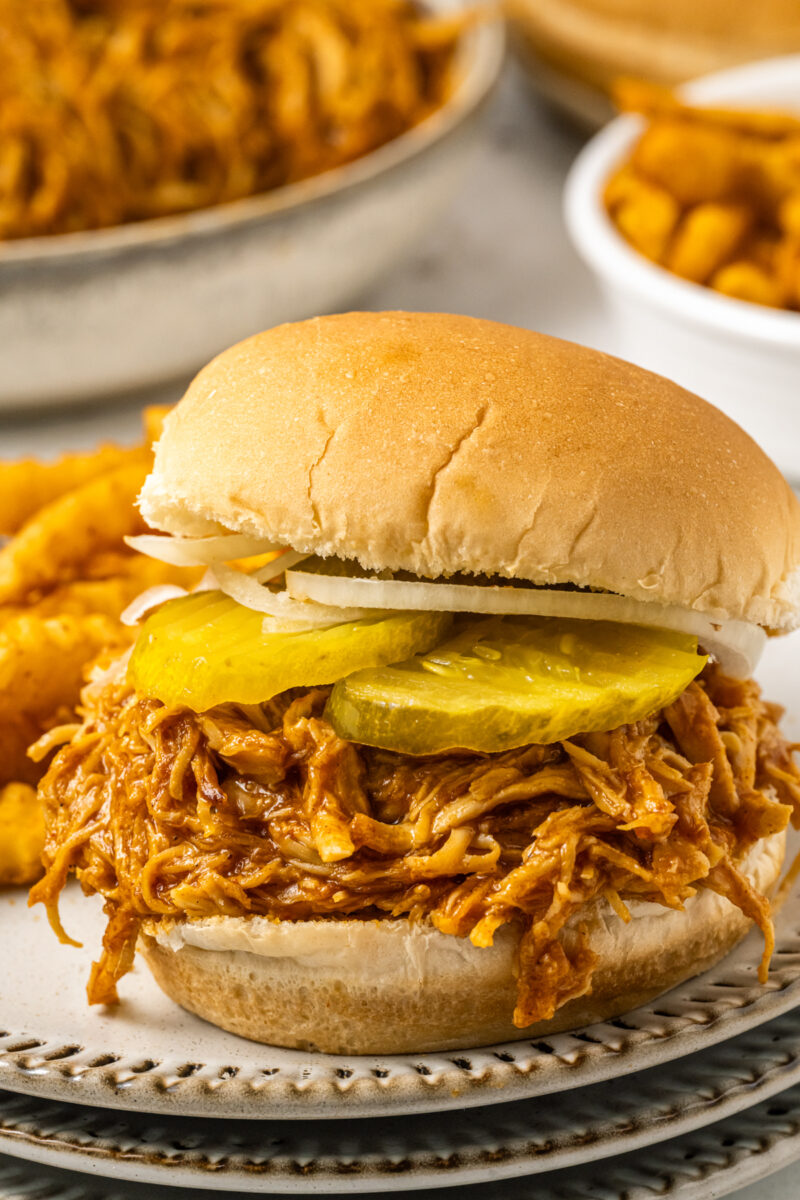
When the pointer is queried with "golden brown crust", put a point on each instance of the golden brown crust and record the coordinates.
(438, 443)
(386, 987)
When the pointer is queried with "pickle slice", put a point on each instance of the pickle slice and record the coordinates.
(507, 682)
(206, 649)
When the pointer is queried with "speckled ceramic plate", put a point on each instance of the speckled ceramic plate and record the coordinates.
(704, 1165)
(153, 1057)
(482, 1145)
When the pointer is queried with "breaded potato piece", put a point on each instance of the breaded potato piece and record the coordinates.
(21, 834)
(42, 660)
(647, 218)
(733, 175)
(693, 163)
(709, 235)
(624, 184)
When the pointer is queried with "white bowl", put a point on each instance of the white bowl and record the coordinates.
(742, 357)
(88, 314)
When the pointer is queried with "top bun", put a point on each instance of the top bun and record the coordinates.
(440, 444)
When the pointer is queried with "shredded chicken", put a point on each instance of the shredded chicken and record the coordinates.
(172, 815)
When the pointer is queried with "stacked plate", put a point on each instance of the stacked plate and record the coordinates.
(690, 1097)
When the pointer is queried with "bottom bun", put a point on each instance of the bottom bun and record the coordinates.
(347, 986)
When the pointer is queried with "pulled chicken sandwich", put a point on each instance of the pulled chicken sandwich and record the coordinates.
(457, 741)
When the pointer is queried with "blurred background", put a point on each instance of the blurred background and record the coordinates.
(176, 175)
(577, 49)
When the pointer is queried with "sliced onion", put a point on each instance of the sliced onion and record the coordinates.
(736, 645)
(290, 558)
(200, 551)
(249, 590)
(150, 599)
(154, 597)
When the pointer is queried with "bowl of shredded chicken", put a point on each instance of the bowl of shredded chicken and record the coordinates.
(173, 179)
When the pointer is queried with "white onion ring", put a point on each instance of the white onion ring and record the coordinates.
(200, 551)
(736, 645)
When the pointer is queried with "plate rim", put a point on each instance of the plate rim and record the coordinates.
(661, 1105)
(770, 1144)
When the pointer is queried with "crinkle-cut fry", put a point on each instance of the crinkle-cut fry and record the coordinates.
(709, 235)
(106, 596)
(28, 485)
(43, 659)
(129, 564)
(743, 280)
(21, 834)
(53, 544)
(653, 100)
(110, 564)
(153, 419)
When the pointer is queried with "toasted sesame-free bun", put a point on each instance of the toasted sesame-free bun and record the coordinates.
(441, 444)
(580, 47)
(391, 986)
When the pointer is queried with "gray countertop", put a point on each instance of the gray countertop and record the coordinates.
(501, 252)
